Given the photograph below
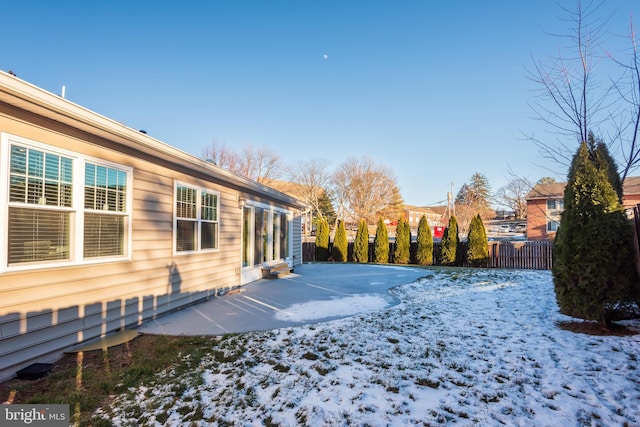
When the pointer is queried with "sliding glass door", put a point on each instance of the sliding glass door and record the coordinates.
(265, 239)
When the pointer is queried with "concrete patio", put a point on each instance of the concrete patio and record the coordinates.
(263, 305)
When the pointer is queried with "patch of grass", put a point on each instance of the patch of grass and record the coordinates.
(276, 393)
(86, 381)
(310, 356)
(281, 368)
(268, 422)
(321, 370)
(490, 398)
(427, 382)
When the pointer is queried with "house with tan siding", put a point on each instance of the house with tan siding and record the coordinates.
(104, 227)
(545, 203)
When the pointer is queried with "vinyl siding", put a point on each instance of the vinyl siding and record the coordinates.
(297, 240)
(44, 311)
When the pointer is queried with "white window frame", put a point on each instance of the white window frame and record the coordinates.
(553, 214)
(126, 213)
(198, 220)
(270, 211)
(552, 226)
(76, 221)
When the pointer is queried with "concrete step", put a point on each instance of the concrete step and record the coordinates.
(276, 271)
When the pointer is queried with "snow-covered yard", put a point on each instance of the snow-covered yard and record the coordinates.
(464, 347)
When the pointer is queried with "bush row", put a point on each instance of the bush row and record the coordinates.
(403, 251)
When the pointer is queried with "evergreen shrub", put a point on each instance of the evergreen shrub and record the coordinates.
(322, 240)
(478, 245)
(403, 242)
(449, 247)
(340, 244)
(424, 243)
(381, 243)
(594, 271)
(361, 243)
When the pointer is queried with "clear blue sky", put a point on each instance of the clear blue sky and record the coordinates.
(434, 90)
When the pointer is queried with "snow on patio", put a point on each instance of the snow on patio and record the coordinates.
(464, 347)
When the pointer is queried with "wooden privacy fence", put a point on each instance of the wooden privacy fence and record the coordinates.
(531, 255)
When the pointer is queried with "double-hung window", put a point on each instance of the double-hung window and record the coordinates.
(40, 205)
(197, 224)
(62, 207)
(554, 211)
(105, 215)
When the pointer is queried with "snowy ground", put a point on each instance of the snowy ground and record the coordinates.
(465, 347)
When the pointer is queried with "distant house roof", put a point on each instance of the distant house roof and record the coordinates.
(440, 210)
(547, 191)
(287, 187)
(556, 191)
(423, 209)
(631, 185)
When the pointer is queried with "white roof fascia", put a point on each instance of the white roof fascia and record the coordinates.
(29, 97)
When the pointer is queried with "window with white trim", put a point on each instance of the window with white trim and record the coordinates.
(48, 188)
(105, 216)
(197, 224)
(554, 211)
(40, 205)
(553, 225)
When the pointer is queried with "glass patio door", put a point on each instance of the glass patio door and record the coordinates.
(265, 239)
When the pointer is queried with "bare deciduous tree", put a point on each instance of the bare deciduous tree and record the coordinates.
(363, 189)
(259, 164)
(513, 195)
(570, 100)
(222, 156)
(627, 124)
(573, 102)
(312, 178)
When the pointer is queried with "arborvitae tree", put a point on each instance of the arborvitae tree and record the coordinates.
(478, 250)
(381, 243)
(604, 159)
(361, 243)
(449, 248)
(403, 242)
(322, 240)
(594, 271)
(340, 244)
(424, 240)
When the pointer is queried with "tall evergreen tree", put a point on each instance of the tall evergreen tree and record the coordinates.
(449, 246)
(603, 159)
(476, 193)
(424, 240)
(403, 242)
(322, 240)
(381, 243)
(326, 208)
(478, 251)
(594, 271)
(473, 198)
(361, 243)
(340, 244)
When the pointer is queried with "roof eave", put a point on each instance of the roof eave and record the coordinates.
(29, 97)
